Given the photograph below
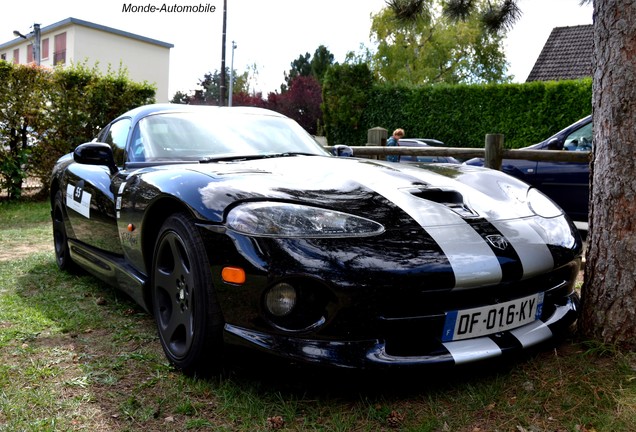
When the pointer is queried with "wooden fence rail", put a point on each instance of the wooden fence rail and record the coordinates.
(492, 153)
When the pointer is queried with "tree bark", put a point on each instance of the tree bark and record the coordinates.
(609, 290)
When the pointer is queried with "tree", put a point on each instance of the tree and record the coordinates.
(299, 67)
(249, 99)
(180, 98)
(306, 65)
(210, 87)
(430, 47)
(345, 93)
(210, 91)
(301, 102)
(320, 62)
(495, 16)
(609, 291)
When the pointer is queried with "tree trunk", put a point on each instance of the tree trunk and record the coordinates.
(609, 291)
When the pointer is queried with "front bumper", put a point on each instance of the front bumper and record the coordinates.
(373, 353)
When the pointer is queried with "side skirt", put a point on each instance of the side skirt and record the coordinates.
(112, 269)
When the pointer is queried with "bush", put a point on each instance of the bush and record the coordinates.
(21, 108)
(46, 113)
(81, 102)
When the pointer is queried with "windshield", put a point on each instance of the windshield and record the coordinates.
(223, 135)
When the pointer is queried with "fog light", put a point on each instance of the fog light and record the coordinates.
(280, 299)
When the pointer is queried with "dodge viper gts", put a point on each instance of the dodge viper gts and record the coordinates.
(233, 227)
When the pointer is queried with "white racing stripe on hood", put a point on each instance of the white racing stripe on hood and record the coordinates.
(473, 261)
(534, 254)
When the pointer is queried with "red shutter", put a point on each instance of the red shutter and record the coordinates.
(44, 49)
(59, 55)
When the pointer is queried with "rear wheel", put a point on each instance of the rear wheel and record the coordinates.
(183, 301)
(60, 238)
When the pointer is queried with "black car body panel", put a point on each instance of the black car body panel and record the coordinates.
(441, 239)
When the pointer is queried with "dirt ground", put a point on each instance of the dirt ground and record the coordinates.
(22, 251)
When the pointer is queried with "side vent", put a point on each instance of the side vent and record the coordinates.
(450, 198)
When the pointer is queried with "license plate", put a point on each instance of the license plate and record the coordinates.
(482, 321)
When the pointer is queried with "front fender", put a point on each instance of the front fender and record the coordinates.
(147, 197)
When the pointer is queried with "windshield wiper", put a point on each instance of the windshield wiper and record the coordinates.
(240, 158)
(229, 158)
(287, 154)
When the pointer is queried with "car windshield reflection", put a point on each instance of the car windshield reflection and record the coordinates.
(194, 137)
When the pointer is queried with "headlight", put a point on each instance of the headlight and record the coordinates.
(276, 219)
(541, 205)
(555, 231)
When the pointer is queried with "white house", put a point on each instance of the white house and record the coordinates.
(76, 41)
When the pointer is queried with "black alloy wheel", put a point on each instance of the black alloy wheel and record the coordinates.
(186, 312)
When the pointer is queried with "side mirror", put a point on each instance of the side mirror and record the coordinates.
(554, 144)
(342, 150)
(95, 153)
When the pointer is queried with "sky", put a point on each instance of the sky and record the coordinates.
(271, 34)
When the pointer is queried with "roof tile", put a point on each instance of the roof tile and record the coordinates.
(567, 54)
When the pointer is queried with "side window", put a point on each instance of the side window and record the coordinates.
(136, 152)
(580, 139)
(429, 159)
(116, 136)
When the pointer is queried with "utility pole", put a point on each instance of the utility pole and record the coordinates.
(222, 85)
(36, 44)
(229, 103)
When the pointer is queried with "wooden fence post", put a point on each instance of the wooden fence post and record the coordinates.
(376, 137)
(494, 151)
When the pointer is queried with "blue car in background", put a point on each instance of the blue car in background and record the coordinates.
(567, 183)
(424, 142)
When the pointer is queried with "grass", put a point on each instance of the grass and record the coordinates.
(75, 355)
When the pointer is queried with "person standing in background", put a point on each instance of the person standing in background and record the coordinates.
(393, 141)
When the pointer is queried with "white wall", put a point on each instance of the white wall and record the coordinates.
(144, 61)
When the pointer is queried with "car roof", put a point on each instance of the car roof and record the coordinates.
(565, 131)
(420, 142)
(145, 110)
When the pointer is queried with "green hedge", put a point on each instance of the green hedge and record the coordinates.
(45, 113)
(458, 115)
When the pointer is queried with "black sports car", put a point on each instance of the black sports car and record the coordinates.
(233, 226)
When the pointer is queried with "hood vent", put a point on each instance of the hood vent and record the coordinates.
(450, 198)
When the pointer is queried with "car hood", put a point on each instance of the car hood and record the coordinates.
(472, 215)
(432, 195)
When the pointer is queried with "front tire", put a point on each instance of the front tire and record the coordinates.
(184, 305)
